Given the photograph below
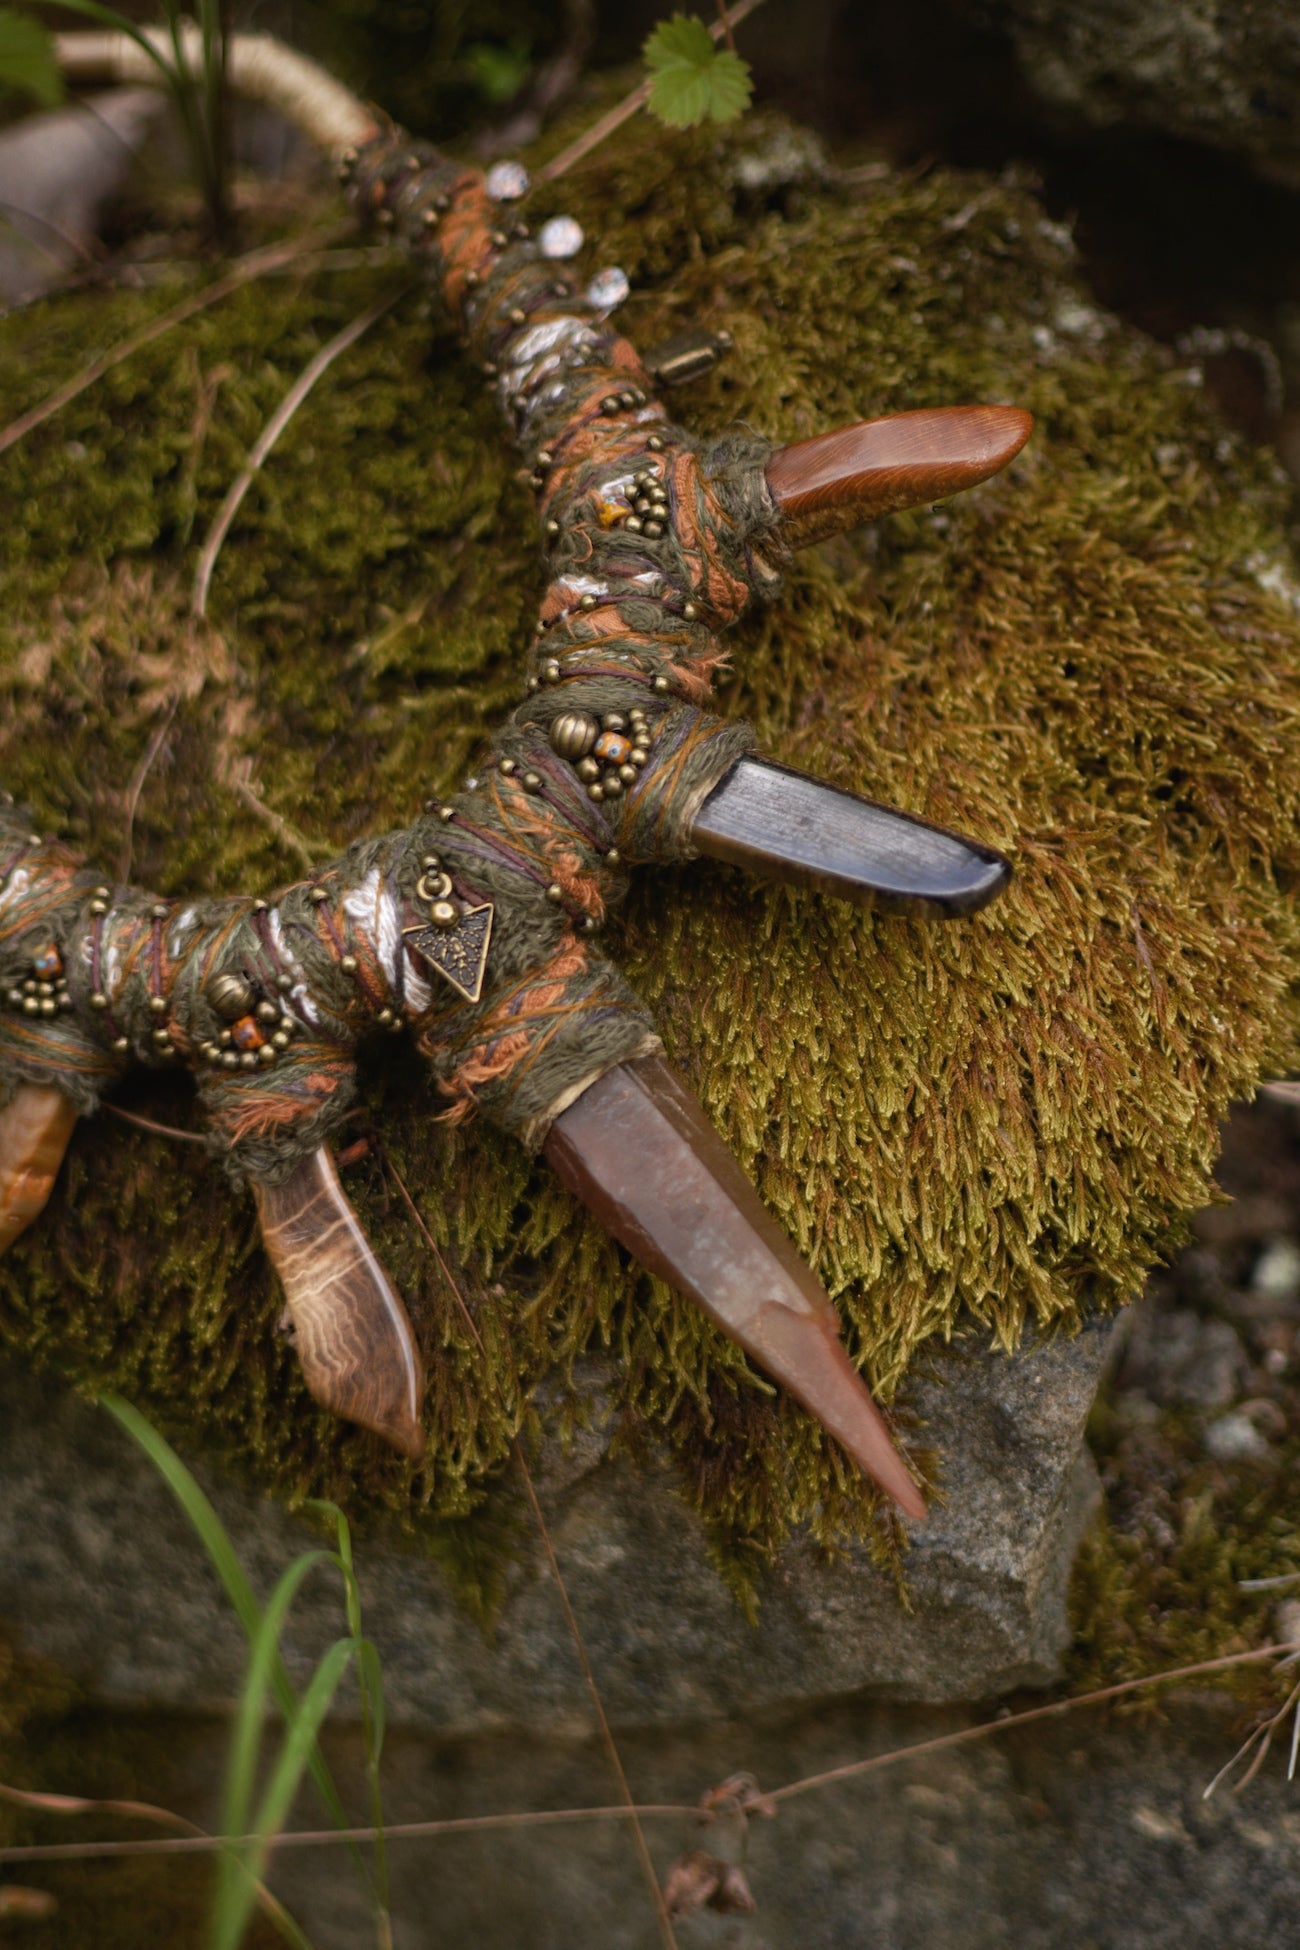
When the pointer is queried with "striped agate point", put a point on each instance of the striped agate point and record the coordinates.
(36, 1126)
(836, 480)
(641, 1153)
(352, 1336)
(783, 825)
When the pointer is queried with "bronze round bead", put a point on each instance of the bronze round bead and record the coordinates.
(531, 781)
(248, 1059)
(555, 892)
(158, 1005)
(613, 721)
(268, 1012)
(230, 996)
(587, 770)
(99, 1000)
(573, 734)
(444, 914)
(48, 1006)
(121, 1045)
(613, 858)
(266, 1056)
(613, 787)
(628, 774)
(230, 1059)
(279, 1040)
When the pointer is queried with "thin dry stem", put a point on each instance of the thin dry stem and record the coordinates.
(627, 108)
(256, 265)
(606, 1731)
(136, 786)
(557, 1817)
(266, 440)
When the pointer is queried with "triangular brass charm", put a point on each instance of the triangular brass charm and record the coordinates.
(458, 953)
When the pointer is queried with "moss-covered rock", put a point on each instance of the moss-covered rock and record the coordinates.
(1092, 662)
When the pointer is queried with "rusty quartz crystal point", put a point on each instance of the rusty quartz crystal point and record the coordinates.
(876, 467)
(641, 1154)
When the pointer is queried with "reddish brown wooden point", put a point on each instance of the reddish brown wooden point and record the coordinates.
(839, 479)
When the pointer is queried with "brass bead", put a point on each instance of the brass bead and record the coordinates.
(261, 907)
(573, 734)
(555, 892)
(596, 792)
(45, 988)
(613, 721)
(531, 782)
(287, 1025)
(552, 527)
(266, 1056)
(121, 1045)
(284, 983)
(99, 1000)
(508, 767)
(349, 967)
(102, 893)
(690, 612)
(158, 1005)
(16, 998)
(628, 774)
(637, 757)
(613, 858)
(31, 1007)
(268, 1012)
(159, 911)
(319, 894)
(248, 1059)
(444, 914)
(551, 672)
(588, 601)
(63, 999)
(384, 1017)
(160, 1037)
(587, 770)
(48, 1006)
(279, 1040)
(661, 685)
(225, 1039)
(588, 924)
(655, 444)
(99, 907)
(230, 996)
(230, 1059)
(430, 862)
(653, 530)
(446, 812)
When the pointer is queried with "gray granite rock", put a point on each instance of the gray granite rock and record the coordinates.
(1228, 76)
(98, 1569)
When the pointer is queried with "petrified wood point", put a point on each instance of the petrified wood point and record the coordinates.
(358, 1354)
(837, 480)
(35, 1128)
(639, 1151)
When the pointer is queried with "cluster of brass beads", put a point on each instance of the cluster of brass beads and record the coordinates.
(649, 499)
(45, 991)
(607, 753)
(257, 1030)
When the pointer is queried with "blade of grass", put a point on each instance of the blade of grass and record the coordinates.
(221, 1551)
(235, 1899)
(241, 1770)
(370, 1684)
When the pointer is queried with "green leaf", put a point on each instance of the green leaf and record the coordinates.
(691, 80)
(27, 59)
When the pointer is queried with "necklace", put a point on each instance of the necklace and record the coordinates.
(472, 928)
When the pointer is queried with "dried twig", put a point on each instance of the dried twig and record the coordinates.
(270, 433)
(606, 1732)
(645, 1811)
(136, 786)
(256, 265)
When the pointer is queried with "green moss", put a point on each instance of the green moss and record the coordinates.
(996, 1121)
